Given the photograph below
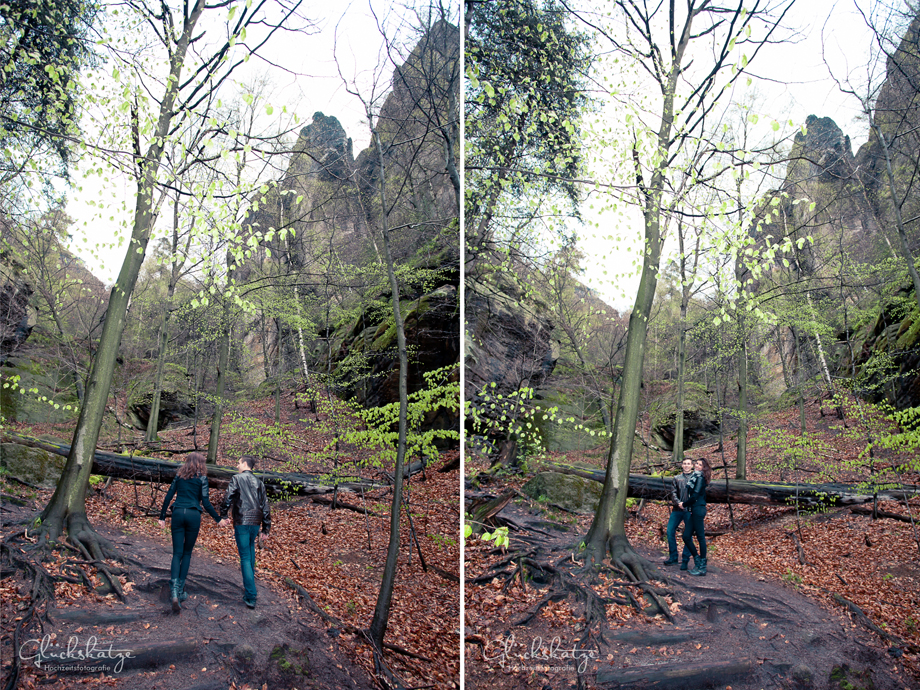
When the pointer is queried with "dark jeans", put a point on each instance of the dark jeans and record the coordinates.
(677, 517)
(186, 523)
(246, 536)
(695, 526)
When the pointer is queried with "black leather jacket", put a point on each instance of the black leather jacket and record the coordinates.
(246, 495)
(696, 491)
(679, 490)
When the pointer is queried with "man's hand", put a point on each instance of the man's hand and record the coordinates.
(162, 523)
(224, 522)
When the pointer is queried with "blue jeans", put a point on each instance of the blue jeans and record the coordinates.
(677, 517)
(246, 536)
(695, 526)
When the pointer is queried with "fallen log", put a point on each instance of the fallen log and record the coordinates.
(693, 674)
(154, 470)
(752, 493)
(861, 510)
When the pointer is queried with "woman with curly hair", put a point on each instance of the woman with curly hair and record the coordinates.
(190, 487)
(695, 506)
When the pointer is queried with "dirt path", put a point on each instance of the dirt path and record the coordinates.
(733, 628)
(214, 643)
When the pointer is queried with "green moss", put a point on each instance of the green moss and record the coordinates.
(845, 678)
(290, 660)
(695, 398)
(909, 332)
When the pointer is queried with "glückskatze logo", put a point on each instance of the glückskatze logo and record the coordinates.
(541, 651)
(45, 650)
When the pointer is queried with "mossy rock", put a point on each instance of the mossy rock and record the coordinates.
(176, 397)
(576, 494)
(701, 417)
(587, 431)
(39, 396)
(33, 465)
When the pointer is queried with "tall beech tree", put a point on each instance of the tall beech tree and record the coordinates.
(409, 131)
(692, 53)
(180, 96)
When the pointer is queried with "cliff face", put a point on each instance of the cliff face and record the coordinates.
(331, 201)
(49, 306)
(896, 117)
(851, 271)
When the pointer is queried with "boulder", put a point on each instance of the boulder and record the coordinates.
(42, 394)
(576, 494)
(586, 432)
(174, 409)
(32, 465)
(701, 418)
(176, 398)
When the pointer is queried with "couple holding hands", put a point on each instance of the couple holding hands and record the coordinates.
(688, 505)
(245, 496)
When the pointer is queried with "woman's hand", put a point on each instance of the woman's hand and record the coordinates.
(162, 523)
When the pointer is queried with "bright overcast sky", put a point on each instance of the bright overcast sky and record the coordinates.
(305, 78)
(794, 83)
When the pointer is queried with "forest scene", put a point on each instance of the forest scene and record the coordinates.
(229, 235)
(672, 252)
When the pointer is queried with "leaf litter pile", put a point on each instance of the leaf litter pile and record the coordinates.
(336, 556)
(780, 585)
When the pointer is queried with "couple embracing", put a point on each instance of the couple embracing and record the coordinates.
(245, 496)
(688, 505)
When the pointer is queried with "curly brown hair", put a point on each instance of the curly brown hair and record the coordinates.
(195, 466)
(707, 470)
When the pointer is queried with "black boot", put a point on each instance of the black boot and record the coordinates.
(672, 559)
(699, 567)
(684, 561)
(174, 595)
(183, 595)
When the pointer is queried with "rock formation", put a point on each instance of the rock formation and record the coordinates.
(331, 202)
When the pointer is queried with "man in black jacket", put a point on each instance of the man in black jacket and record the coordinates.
(246, 496)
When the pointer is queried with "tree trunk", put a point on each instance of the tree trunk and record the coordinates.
(378, 625)
(741, 456)
(609, 519)
(222, 364)
(162, 339)
(608, 528)
(67, 507)
(799, 378)
(685, 283)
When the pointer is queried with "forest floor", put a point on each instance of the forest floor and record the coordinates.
(337, 556)
(765, 616)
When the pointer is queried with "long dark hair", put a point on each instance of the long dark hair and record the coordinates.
(707, 470)
(195, 466)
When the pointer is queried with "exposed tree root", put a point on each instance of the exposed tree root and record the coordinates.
(41, 593)
(385, 677)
